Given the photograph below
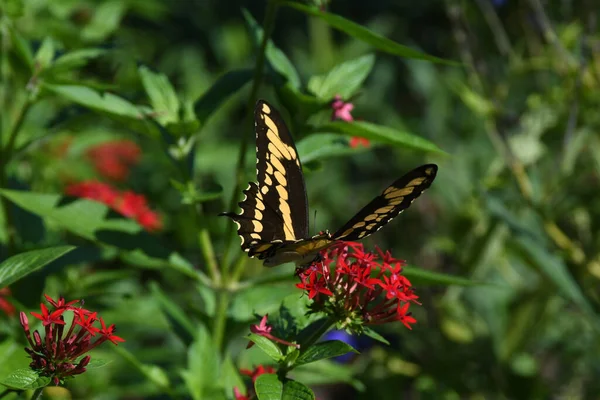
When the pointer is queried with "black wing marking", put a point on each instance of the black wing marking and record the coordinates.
(383, 208)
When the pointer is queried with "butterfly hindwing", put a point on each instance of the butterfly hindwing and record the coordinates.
(383, 208)
(275, 208)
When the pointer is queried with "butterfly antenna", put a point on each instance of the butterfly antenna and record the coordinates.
(315, 218)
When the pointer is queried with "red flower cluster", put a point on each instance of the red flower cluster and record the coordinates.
(360, 288)
(128, 203)
(58, 354)
(113, 159)
(253, 374)
(342, 111)
(5, 305)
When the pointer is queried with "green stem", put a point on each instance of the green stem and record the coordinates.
(5, 157)
(238, 267)
(220, 319)
(37, 394)
(268, 25)
(206, 247)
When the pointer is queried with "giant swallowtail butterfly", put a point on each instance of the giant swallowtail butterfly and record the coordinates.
(273, 223)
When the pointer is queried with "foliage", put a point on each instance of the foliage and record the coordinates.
(126, 128)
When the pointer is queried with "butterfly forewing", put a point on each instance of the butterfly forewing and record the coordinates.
(279, 173)
(395, 199)
(275, 208)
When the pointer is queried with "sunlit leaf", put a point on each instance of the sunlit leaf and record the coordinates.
(344, 79)
(21, 265)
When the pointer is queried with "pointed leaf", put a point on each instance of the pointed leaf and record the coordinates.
(90, 98)
(344, 79)
(294, 390)
(323, 350)
(374, 335)
(380, 133)
(106, 19)
(75, 59)
(268, 387)
(228, 84)
(162, 95)
(21, 265)
(270, 348)
(321, 146)
(275, 56)
(421, 276)
(360, 32)
(45, 53)
(83, 217)
(25, 378)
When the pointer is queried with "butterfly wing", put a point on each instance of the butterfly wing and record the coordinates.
(275, 208)
(383, 208)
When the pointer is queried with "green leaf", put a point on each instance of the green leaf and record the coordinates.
(322, 350)
(80, 216)
(421, 276)
(259, 297)
(21, 265)
(173, 311)
(268, 387)
(266, 345)
(228, 84)
(12, 8)
(321, 146)
(275, 56)
(75, 59)
(45, 53)
(344, 79)
(90, 98)
(162, 96)
(106, 19)
(327, 372)
(202, 373)
(25, 378)
(374, 335)
(294, 390)
(21, 47)
(360, 32)
(96, 363)
(96, 222)
(555, 270)
(380, 133)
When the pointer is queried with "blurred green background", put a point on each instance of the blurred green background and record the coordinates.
(514, 210)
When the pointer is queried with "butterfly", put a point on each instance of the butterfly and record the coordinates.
(273, 223)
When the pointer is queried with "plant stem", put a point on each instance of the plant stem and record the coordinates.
(5, 157)
(268, 25)
(220, 319)
(37, 394)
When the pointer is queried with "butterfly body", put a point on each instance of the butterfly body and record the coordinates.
(273, 223)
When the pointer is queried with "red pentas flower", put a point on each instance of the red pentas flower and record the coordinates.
(342, 111)
(358, 288)
(128, 203)
(60, 354)
(114, 159)
(5, 305)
